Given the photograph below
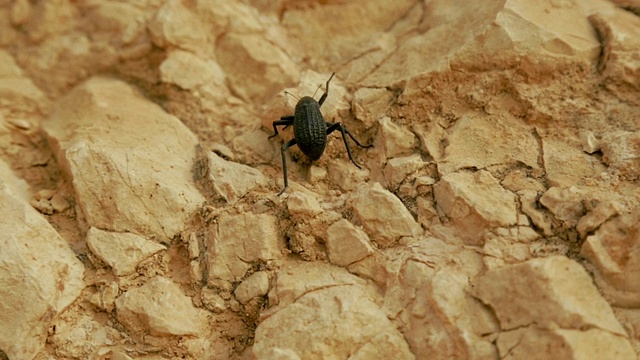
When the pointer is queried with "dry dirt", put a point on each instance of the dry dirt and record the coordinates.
(496, 216)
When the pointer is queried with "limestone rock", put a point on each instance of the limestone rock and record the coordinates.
(425, 296)
(397, 169)
(339, 321)
(36, 264)
(615, 252)
(566, 163)
(344, 174)
(393, 140)
(370, 104)
(475, 202)
(537, 344)
(82, 338)
(302, 203)
(296, 279)
(477, 135)
(122, 251)
(239, 240)
(383, 215)
(189, 71)
(253, 147)
(346, 243)
(619, 32)
(621, 152)
(257, 284)
(548, 292)
(176, 25)
(231, 180)
(159, 307)
(130, 162)
(601, 213)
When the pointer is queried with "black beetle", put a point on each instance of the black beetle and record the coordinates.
(310, 131)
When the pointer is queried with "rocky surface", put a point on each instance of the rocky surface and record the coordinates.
(495, 216)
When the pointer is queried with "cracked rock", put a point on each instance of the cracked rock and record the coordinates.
(106, 137)
(346, 243)
(121, 251)
(475, 202)
(257, 284)
(383, 215)
(159, 307)
(614, 250)
(231, 180)
(239, 240)
(549, 292)
(40, 275)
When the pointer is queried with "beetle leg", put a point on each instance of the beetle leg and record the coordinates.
(326, 91)
(285, 120)
(284, 148)
(331, 127)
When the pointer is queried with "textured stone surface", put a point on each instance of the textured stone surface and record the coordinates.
(39, 274)
(130, 161)
(159, 307)
(121, 251)
(614, 250)
(507, 129)
(475, 202)
(383, 215)
(231, 180)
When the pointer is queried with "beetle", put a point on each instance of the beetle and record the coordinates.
(310, 131)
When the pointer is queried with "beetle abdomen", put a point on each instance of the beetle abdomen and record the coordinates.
(309, 128)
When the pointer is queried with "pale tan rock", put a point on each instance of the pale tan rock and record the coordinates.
(370, 104)
(568, 204)
(8, 66)
(382, 214)
(81, 337)
(105, 297)
(20, 12)
(346, 243)
(59, 203)
(176, 25)
(36, 264)
(397, 169)
(392, 139)
(548, 292)
(231, 180)
(253, 147)
(473, 142)
(574, 344)
(475, 202)
(130, 162)
(341, 321)
(601, 213)
(121, 251)
(298, 278)
(621, 152)
(189, 71)
(615, 252)
(239, 240)
(566, 163)
(590, 143)
(425, 296)
(159, 307)
(257, 284)
(302, 203)
(344, 174)
(212, 300)
(619, 32)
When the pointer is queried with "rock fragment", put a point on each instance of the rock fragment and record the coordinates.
(239, 240)
(302, 203)
(536, 344)
(548, 293)
(614, 250)
(346, 243)
(370, 104)
(342, 322)
(621, 152)
(257, 284)
(393, 140)
(159, 307)
(130, 161)
(231, 180)
(189, 71)
(383, 215)
(475, 202)
(566, 164)
(176, 25)
(36, 264)
(397, 169)
(121, 251)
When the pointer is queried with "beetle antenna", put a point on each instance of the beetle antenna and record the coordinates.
(314, 94)
(290, 94)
